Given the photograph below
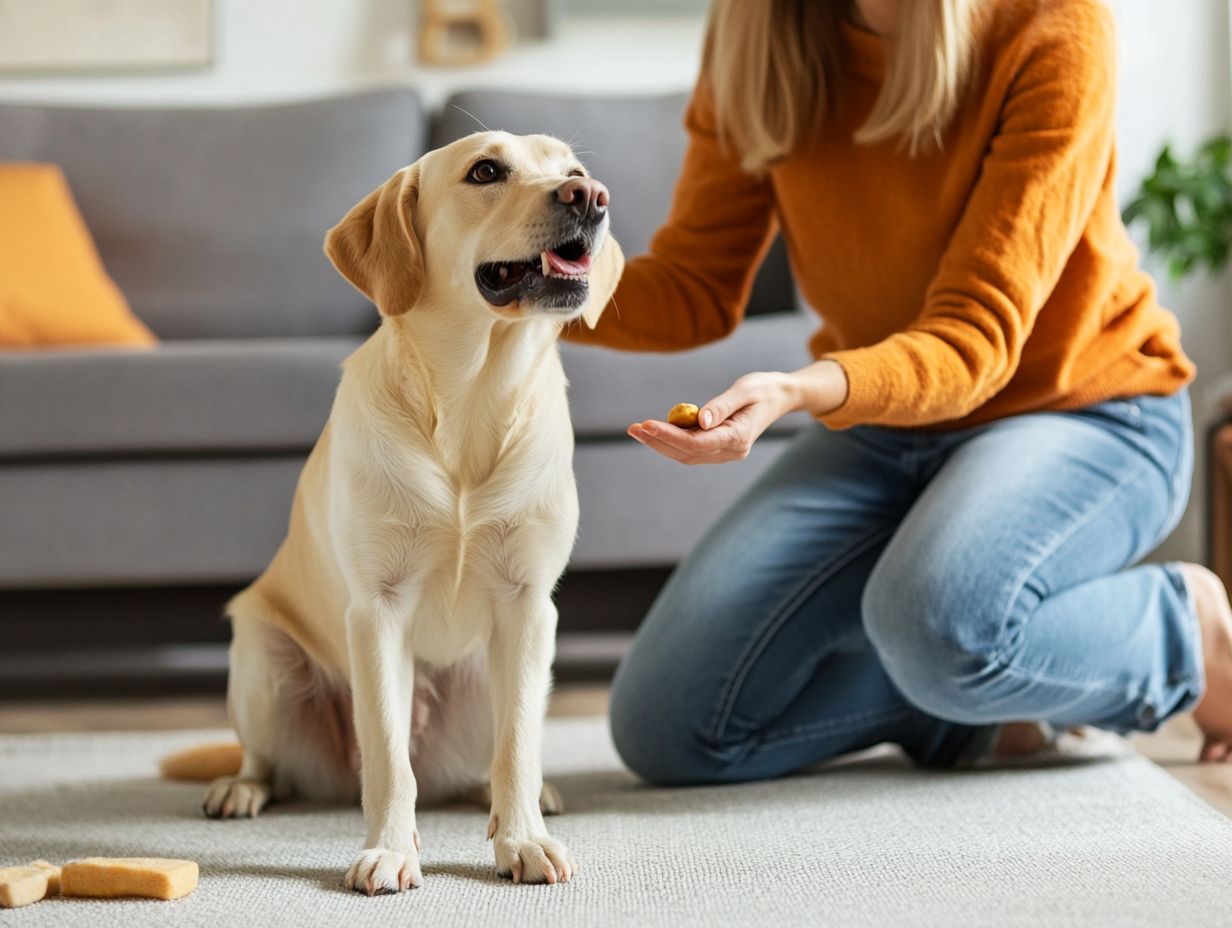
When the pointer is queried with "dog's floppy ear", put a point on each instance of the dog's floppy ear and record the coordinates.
(375, 246)
(609, 265)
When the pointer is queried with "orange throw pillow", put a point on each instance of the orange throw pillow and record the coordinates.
(54, 289)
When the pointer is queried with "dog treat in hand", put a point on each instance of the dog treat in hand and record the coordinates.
(683, 416)
(24, 885)
(149, 877)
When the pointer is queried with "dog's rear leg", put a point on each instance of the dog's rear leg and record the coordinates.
(253, 705)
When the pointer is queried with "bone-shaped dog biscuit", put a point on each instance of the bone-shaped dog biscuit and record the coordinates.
(24, 885)
(150, 877)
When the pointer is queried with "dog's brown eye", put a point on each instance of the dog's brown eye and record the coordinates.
(577, 172)
(484, 172)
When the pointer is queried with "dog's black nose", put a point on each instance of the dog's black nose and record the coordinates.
(585, 196)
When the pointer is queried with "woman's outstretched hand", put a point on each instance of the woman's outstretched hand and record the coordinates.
(730, 423)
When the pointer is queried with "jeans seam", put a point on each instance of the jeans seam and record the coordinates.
(1137, 425)
(998, 656)
(1093, 686)
(1136, 694)
(1177, 502)
(805, 732)
(1193, 632)
(775, 621)
(1087, 686)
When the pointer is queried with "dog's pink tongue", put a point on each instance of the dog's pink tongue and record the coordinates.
(566, 267)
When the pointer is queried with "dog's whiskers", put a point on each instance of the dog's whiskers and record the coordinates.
(472, 116)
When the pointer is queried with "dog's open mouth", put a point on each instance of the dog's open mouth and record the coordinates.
(557, 279)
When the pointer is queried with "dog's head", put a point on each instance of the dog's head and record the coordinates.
(495, 223)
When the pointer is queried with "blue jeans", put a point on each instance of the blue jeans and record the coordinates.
(882, 585)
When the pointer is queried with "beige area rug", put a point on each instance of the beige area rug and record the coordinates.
(1102, 839)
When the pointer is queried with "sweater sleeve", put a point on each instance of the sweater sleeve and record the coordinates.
(693, 285)
(1037, 188)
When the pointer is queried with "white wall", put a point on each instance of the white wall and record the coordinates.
(1175, 86)
(281, 49)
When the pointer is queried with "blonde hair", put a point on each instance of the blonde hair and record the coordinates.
(775, 66)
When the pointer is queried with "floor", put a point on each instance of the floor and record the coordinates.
(171, 712)
(870, 843)
(1174, 747)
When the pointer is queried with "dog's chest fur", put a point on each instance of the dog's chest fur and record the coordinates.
(455, 497)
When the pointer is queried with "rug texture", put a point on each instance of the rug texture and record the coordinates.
(1100, 839)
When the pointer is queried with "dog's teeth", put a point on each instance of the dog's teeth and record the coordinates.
(547, 268)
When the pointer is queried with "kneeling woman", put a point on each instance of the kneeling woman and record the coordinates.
(1003, 424)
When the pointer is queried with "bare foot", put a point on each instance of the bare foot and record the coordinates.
(1213, 712)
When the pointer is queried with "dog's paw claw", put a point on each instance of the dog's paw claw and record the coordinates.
(232, 797)
(377, 870)
(535, 860)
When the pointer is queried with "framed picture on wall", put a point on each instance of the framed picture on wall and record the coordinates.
(538, 19)
(638, 7)
(105, 35)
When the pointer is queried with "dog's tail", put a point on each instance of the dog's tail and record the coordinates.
(204, 762)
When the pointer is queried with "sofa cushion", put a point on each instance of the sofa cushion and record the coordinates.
(610, 389)
(183, 396)
(213, 395)
(212, 220)
(635, 145)
(219, 520)
(54, 289)
(156, 522)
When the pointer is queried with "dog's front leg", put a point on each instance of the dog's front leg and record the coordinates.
(522, 645)
(382, 680)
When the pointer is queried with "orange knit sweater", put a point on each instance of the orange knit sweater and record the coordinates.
(987, 278)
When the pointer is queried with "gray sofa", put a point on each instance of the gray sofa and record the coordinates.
(137, 488)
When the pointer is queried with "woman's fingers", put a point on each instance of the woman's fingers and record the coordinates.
(730, 423)
(717, 411)
(689, 441)
(683, 446)
(655, 445)
(752, 389)
(676, 454)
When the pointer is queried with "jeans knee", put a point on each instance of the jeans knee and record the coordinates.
(653, 731)
(936, 639)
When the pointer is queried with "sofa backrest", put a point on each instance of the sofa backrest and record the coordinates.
(212, 220)
(635, 145)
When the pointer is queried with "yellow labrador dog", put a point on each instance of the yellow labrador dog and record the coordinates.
(399, 645)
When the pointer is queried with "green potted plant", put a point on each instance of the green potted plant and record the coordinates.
(1187, 208)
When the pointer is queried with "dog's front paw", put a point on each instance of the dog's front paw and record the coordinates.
(231, 797)
(377, 870)
(534, 860)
